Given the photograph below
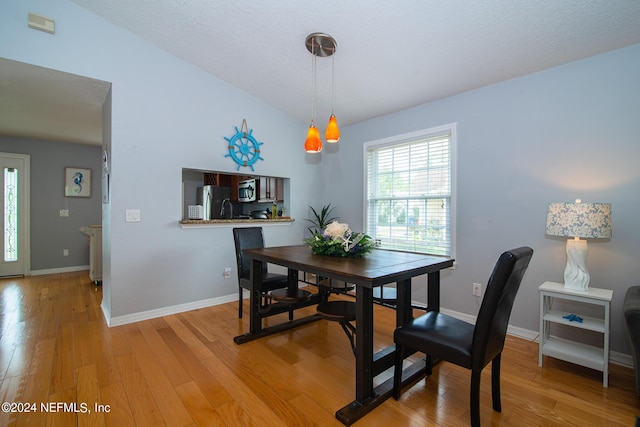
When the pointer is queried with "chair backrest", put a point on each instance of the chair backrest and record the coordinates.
(493, 317)
(247, 238)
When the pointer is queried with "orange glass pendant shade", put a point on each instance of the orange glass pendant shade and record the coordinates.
(313, 144)
(332, 134)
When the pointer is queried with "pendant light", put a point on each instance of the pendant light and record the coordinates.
(324, 45)
(332, 134)
(313, 144)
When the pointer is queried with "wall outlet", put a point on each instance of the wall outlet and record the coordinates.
(477, 289)
(227, 273)
(65, 252)
(64, 212)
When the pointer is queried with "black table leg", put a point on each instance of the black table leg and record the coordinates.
(433, 302)
(292, 275)
(404, 310)
(364, 344)
(433, 291)
(255, 321)
(364, 360)
(368, 365)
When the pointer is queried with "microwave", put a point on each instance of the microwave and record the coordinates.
(247, 190)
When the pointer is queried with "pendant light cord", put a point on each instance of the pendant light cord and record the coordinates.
(333, 62)
(314, 84)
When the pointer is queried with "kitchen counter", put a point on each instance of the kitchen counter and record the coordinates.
(189, 223)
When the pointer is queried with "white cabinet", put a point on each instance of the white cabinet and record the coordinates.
(95, 251)
(566, 349)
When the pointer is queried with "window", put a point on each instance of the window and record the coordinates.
(410, 183)
(10, 214)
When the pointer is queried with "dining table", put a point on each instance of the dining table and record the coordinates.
(379, 267)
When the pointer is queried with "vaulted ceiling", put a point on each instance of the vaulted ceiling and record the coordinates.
(390, 55)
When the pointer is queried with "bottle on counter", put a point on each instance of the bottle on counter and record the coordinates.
(274, 210)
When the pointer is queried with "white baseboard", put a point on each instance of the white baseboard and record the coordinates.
(615, 357)
(106, 313)
(59, 270)
(621, 359)
(164, 311)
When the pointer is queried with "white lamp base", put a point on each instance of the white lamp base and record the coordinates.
(576, 276)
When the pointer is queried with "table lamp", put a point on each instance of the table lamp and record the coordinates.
(578, 220)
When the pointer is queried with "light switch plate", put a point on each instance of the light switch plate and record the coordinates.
(132, 215)
(64, 212)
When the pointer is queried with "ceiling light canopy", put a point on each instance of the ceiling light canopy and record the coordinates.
(322, 45)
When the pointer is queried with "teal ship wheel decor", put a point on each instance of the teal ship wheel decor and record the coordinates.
(243, 147)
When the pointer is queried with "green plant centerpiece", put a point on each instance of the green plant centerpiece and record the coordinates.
(320, 219)
(338, 240)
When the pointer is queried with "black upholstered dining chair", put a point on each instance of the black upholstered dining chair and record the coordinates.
(250, 238)
(470, 346)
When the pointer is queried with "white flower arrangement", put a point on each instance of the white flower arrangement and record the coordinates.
(338, 240)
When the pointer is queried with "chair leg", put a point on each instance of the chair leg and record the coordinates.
(495, 383)
(474, 398)
(397, 372)
(240, 304)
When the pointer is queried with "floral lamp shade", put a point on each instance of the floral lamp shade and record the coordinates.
(578, 220)
(584, 220)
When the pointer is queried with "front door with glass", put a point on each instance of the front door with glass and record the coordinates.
(13, 177)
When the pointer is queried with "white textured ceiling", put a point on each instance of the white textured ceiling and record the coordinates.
(391, 55)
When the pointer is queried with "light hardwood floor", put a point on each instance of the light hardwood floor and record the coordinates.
(185, 370)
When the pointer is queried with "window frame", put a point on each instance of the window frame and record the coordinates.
(451, 130)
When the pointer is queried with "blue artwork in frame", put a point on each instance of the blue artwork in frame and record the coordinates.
(77, 182)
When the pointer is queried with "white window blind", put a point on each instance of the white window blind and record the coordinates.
(409, 191)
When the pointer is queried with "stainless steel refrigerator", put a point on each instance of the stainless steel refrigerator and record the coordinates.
(211, 197)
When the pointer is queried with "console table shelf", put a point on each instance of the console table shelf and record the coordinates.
(565, 349)
(588, 323)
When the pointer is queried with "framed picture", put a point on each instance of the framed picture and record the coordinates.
(77, 182)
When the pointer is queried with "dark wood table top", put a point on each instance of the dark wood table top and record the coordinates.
(378, 268)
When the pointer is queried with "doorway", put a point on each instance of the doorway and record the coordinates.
(14, 205)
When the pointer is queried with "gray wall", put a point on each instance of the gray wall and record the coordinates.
(565, 133)
(50, 233)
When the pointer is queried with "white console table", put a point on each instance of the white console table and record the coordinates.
(568, 350)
